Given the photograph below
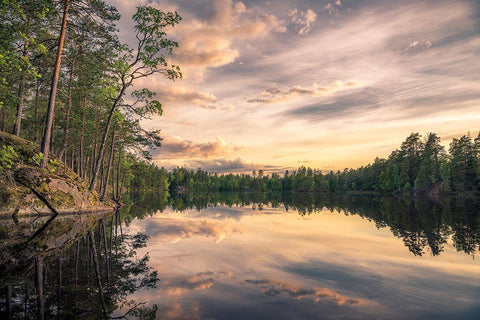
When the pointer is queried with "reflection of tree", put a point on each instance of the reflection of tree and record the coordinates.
(90, 277)
(422, 224)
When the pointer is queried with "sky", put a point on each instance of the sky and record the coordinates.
(275, 85)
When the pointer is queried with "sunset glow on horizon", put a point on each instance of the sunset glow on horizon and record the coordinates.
(274, 85)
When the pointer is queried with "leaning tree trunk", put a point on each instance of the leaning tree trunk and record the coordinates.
(106, 130)
(47, 135)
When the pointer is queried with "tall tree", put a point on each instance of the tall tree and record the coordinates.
(147, 59)
(47, 135)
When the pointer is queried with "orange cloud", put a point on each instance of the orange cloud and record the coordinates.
(174, 229)
(181, 95)
(210, 43)
(275, 287)
(176, 147)
(180, 285)
(303, 20)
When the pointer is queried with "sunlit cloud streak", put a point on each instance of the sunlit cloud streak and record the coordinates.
(274, 287)
(176, 147)
(181, 285)
(274, 95)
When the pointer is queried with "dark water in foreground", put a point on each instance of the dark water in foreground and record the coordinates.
(232, 256)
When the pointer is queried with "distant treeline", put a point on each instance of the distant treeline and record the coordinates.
(419, 166)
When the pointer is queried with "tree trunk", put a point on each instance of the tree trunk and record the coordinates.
(94, 144)
(101, 152)
(121, 186)
(66, 130)
(114, 195)
(105, 247)
(47, 136)
(3, 115)
(112, 150)
(21, 90)
(59, 289)
(39, 286)
(35, 122)
(82, 133)
(118, 172)
(93, 251)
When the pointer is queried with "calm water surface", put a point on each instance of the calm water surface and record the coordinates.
(283, 258)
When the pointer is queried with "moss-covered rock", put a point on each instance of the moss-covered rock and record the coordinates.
(25, 187)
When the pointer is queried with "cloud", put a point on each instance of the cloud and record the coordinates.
(357, 101)
(303, 20)
(181, 95)
(332, 8)
(273, 287)
(174, 229)
(237, 165)
(222, 165)
(423, 44)
(274, 95)
(215, 41)
(176, 147)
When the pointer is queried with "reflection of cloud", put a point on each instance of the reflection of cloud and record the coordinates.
(181, 285)
(177, 311)
(172, 230)
(273, 95)
(176, 147)
(273, 287)
(303, 19)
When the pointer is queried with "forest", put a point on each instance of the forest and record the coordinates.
(420, 166)
(67, 84)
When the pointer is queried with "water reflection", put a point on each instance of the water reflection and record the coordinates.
(78, 267)
(300, 256)
(239, 256)
(423, 224)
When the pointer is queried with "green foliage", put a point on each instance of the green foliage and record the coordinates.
(37, 159)
(8, 157)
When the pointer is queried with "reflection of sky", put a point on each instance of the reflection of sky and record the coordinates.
(275, 265)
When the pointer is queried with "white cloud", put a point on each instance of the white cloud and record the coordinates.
(303, 20)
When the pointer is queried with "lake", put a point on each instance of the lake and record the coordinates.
(248, 256)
